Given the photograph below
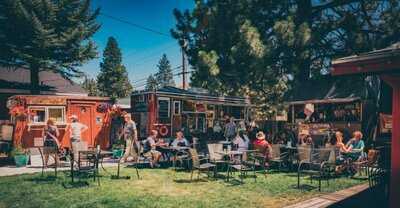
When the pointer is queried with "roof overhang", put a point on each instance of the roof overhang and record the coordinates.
(325, 101)
(227, 100)
(375, 62)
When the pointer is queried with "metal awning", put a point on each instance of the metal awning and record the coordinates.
(325, 101)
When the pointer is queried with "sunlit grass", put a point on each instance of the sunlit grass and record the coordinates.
(160, 188)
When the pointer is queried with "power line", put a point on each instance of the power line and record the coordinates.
(135, 25)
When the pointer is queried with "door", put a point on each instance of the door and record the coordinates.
(85, 116)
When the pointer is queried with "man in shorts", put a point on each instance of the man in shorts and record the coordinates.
(149, 149)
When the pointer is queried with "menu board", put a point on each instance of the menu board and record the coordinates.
(385, 123)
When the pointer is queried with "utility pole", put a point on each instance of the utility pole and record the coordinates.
(183, 70)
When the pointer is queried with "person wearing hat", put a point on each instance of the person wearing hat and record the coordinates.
(130, 137)
(76, 129)
(261, 144)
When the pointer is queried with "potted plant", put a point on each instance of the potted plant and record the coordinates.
(20, 156)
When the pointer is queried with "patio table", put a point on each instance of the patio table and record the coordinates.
(175, 151)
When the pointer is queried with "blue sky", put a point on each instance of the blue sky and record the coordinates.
(141, 49)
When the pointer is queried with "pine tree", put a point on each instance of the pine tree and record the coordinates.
(164, 75)
(47, 35)
(263, 49)
(90, 85)
(151, 83)
(112, 81)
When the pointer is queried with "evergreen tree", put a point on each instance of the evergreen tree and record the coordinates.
(151, 83)
(90, 85)
(47, 35)
(164, 75)
(112, 81)
(263, 48)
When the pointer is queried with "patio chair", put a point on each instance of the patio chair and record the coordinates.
(368, 163)
(314, 163)
(198, 165)
(53, 153)
(140, 160)
(243, 166)
(277, 156)
(214, 157)
(84, 162)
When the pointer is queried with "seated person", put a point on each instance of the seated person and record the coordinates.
(356, 145)
(305, 138)
(160, 146)
(261, 144)
(241, 141)
(180, 141)
(149, 149)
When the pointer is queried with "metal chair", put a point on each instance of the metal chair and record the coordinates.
(198, 165)
(314, 163)
(140, 160)
(52, 152)
(214, 157)
(368, 163)
(277, 156)
(244, 166)
(84, 162)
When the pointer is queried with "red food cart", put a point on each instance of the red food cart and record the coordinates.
(169, 109)
(30, 112)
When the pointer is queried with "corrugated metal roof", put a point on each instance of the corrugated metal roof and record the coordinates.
(389, 52)
(196, 95)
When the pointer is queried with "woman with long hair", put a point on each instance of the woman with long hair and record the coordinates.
(50, 135)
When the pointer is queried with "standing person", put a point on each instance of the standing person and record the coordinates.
(50, 135)
(253, 131)
(242, 126)
(130, 137)
(230, 129)
(76, 129)
(217, 130)
(149, 149)
(242, 141)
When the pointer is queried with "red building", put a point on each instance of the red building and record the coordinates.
(30, 113)
(386, 64)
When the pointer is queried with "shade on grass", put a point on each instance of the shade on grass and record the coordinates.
(161, 188)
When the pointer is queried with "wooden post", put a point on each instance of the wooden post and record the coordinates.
(394, 199)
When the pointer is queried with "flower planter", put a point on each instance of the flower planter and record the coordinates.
(21, 160)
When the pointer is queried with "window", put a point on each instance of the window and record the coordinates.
(163, 107)
(39, 115)
(177, 107)
(57, 114)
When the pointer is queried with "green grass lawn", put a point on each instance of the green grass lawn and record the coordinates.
(161, 188)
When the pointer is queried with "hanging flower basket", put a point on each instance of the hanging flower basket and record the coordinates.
(19, 112)
(103, 107)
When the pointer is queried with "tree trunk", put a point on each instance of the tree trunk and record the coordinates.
(303, 15)
(35, 87)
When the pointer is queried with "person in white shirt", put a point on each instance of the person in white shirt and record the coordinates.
(180, 141)
(76, 129)
(242, 141)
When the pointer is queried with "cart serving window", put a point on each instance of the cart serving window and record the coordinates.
(40, 114)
